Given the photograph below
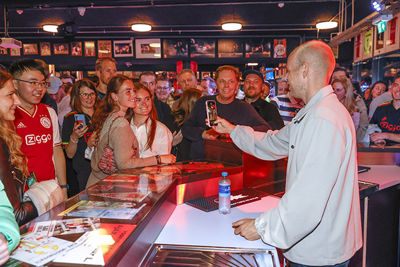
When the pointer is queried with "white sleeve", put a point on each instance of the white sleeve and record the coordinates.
(163, 139)
(271, 145)
(56, 127)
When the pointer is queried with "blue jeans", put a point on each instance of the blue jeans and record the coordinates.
(344, 264)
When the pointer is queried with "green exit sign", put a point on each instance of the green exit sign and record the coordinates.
(381, 26)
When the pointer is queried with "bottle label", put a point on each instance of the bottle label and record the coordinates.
(224, 190)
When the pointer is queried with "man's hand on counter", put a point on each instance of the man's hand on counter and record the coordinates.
(223, 126)
(246, 228)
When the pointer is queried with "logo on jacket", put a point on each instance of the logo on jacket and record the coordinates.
(45, 122)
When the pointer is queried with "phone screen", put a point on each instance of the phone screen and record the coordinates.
(80, 119)
(211, 107)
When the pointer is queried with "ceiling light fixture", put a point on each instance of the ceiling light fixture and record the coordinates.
(252, 64)
(50, 28)
(325, 25)
(378, 5)
(141, 27)
(231, 26)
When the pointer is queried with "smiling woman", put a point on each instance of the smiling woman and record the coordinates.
(117, 146)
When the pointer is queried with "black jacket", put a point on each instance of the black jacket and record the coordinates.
(269, 113)
(14, 184)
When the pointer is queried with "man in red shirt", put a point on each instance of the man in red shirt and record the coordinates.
(37, 123)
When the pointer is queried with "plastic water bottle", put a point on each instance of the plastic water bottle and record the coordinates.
(224, 202)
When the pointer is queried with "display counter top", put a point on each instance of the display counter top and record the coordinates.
(383, 175)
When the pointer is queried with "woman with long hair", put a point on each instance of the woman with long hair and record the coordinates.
(13, 162)
(76, 133)
(377, 89)
(115, 134)
(153, 136)
(181, 113)
(344, 92)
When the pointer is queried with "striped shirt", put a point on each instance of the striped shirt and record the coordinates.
(288, 107)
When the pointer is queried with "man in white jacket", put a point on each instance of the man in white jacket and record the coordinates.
(317, 222)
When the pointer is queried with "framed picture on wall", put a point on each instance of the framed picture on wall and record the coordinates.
(202, 48)
(260, 47)
(90, 49)
(30, 49)
(76, 49)
(61, 49)
(230, 48)
(104, 48)
(175, 48)
(123, 48)
(148, 48)
(3, 51)
(15, 52)
(45, 49)
(279, 48)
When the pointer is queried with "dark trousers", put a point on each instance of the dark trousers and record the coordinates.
(344, 264)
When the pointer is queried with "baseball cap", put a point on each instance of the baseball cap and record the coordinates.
(256, 72)
(54, 85)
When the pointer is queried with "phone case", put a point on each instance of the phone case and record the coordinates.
(80, 118)
(211, 108)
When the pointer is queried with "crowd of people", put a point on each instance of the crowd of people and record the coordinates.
(78, 132)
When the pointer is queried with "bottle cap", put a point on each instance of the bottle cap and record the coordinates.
(224, 174)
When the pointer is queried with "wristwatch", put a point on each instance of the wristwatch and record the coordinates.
(64, 186)
(158, 158)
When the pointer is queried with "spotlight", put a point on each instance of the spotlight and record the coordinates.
(141, 27)
(231, 26)
(378, 5)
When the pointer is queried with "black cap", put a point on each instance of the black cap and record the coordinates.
(256, 72)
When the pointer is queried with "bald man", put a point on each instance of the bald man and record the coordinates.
(317, 222)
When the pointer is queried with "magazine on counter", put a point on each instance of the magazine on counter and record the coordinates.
(101, 209)
(64, 227)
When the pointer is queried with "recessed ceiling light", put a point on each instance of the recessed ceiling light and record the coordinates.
(326, 25)
(232, 26)
(252, 64)
(50, 28)
(141, 27)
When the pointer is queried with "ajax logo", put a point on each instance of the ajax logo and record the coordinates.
(45, 122)
(32, 139)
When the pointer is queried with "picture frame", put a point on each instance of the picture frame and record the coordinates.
(76, 49)
(45, 49)
(15, 52)
(202, 48)
(30, 49)
(90, 48)
(104, 48)
(61, 49)
(123, 48)
(175, 48)
(229, 48)
(280, 48)
(258, 47)
(148, 48)
(3, 51)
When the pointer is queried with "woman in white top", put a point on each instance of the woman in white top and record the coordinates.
(154, 137)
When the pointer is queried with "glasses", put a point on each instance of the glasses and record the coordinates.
(85, 95)
(35, 83)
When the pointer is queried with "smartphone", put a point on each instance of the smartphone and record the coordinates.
(211, 108)
(80, 119)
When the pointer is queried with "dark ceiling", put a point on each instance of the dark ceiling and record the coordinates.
(112, 19)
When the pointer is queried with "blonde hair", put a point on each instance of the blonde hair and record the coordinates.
(10, 137)
(349, 102)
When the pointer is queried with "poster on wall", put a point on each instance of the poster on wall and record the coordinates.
(392, 31)
(357, 48)
(392, 35)
(104, 48)
(367, 44)
(30, 49)
(15, 52)
(61, 49)
(3, 51)
(148, 48)
(279, 48)
(230, 48)
(45, 49)
(258, 48)
(76, 49)
(90, 49)
(123, 48)
(202, 48)
(175, 48)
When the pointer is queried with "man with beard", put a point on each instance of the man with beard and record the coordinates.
(106, 68)
(253, 84)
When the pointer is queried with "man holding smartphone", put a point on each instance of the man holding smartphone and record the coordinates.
(227, 106)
